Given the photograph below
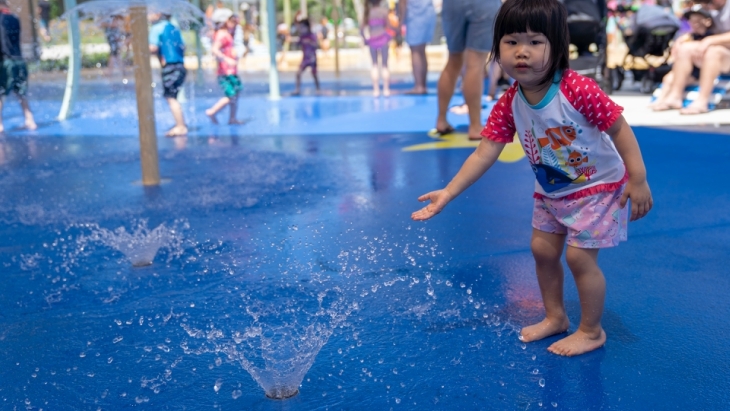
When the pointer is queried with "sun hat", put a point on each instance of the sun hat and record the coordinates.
(221, 15)
(697, 9)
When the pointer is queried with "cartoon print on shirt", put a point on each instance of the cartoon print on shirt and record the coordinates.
(557, 137)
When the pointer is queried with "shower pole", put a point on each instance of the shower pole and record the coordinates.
(145, 102)
(74, 61)
(268, 28)
(198, 49)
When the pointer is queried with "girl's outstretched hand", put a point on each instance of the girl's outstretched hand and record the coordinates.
(438, 198)
(640, 195)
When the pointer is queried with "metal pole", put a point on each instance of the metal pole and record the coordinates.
(287, 12)
(145, 102)
(335, 18)
(198, 50)
(303, 7)
(74, 61)
(268, 28)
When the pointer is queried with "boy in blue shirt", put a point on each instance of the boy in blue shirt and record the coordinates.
(13, 70)
(166, 41)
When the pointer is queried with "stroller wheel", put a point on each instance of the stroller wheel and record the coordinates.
(647, 85)
(617, 78)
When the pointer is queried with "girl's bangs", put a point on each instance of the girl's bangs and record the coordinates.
(520, 20)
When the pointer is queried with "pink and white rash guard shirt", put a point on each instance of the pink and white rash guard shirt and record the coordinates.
(563, 136)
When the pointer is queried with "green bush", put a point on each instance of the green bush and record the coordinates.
(96, 60)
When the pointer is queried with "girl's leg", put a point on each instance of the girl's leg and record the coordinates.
(591, 284)
(218, 106)
(547, 249)
(419, 65)
(29, 120)
(374, 75)
(385, 71)
(298, 87)
(315, 76)
(234, 111)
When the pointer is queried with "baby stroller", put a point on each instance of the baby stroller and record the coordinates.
(586, 26)
(648, 36)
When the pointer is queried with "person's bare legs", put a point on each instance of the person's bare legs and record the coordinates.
(298, 85)
(547, 249)
(29, 120)
(472, 90)
(218, 106)
(419, 64)
(495, 73)
(375, 79)
(232, 117)
(591, 284)
(682, 70)
(315, 77)
(385, 73)
(666, 85)
(180, 128)
(446, 85)
(2, 102)
(715, 61)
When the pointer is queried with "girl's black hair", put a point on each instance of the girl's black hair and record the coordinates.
(548, 17)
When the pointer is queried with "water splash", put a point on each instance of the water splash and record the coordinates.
(141, 245)
(287, 327)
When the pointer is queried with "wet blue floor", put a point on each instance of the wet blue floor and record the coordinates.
(293, 248)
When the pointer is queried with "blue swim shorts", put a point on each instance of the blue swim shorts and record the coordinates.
(469, 24)
(420, 22)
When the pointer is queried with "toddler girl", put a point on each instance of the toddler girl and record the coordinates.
(585, 158)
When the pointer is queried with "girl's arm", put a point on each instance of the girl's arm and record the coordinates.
(474, 167)
(637, 189)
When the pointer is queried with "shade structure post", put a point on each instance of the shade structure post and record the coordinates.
(268, 24)
(74, 62)
(145, 101)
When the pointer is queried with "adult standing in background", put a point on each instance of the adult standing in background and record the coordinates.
(468, 26)
(420, 20)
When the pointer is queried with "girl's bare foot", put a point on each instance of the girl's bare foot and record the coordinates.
(376, 92)
(177, 131)
(544, 329)
(30, 125)
(386, 92)
(236, 121)
(211, 116)
(578, 343)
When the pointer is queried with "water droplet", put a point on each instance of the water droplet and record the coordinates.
(397, 400)
(117, 339)
(524, 346)
(554, 404)
(236, 394)
(541, 382)
(535, 371)
(217, 385)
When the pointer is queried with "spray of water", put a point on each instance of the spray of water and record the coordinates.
(140, 245)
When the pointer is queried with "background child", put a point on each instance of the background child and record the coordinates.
(223, 49)
(14, 72)
(376, 23)
(308, 43)
(585, 158)
(167, 43)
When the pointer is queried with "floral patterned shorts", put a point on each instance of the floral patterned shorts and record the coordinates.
(596, 221)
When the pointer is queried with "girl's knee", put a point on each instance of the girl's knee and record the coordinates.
(544, 251)
(579, 259)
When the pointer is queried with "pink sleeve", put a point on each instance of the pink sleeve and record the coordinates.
(585, 96)
(501, 122)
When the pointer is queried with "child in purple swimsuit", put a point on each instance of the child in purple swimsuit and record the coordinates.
(308, 43)
(377, 37)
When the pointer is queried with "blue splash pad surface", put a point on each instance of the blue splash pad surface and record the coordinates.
(300, 236)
